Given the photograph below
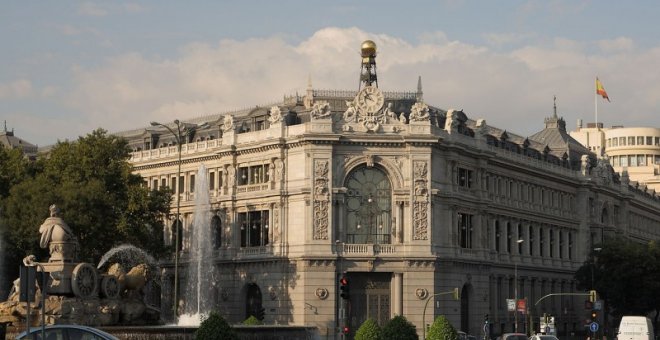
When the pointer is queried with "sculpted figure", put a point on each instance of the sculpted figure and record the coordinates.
(54, 229)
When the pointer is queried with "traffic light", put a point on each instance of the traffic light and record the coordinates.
(455, 294)
(594, 315)
(343, 287)
(486, 319)
(261, 312)
(346, 330)
(592, 296)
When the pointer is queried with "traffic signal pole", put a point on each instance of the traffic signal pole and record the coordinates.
(591, 294)
(454, 293)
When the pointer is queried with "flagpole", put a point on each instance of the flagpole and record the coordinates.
(596, 102)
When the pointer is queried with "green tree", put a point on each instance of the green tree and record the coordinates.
(14, 168)
(369, 330)
(103, 202)
(252, 321)
(625, 274)
(399, 328)
(215, 327)
(441, 329)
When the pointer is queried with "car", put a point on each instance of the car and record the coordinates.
(512, 336)
(67, 332)
(543, 337)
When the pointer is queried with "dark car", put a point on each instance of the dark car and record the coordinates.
(67, 332)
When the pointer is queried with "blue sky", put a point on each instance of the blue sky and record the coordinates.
(68, 67)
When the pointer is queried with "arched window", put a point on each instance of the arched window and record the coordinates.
(369, 206)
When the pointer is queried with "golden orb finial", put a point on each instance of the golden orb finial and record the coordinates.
(368, 49)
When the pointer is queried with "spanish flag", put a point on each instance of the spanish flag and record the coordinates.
(600, 90)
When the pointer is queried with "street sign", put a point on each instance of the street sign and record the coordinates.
(598, 305)
(593, 327)
(521, 305)
(511, 305)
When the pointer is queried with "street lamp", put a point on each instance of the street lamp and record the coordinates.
(515, 288)
(178, 136)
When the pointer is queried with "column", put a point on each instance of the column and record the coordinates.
(397, 294)
(340, 219)
(399, 222)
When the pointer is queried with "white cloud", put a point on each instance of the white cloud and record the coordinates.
(17, 89)
(132, 7)
(510, 90)
(621, 44)
(91, 9)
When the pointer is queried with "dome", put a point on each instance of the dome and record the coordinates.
(368, 48)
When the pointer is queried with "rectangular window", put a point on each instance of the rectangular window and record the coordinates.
(531, 240)
(552, 242)
(465, 230)
(147, 145)
(541, 242)
(192, 183)
(498, 239)
(570, 245)
(254, 174)
(181, 179)
(464, 178)
(631, 140)
(657, 141)
(656, 160)
(508, 238)
(615, 142)
(615, 160)
(174, 185)
(649, 140)
(641, 160)
(609, 142)
(254, 228)
(163, 182)
(243, 175)
(640, 140)
(624, 160)
(211, 180)
(155, 185)
(622, 141)
(633, 160)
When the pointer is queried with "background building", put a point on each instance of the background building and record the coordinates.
(407, 199)
(634, 150)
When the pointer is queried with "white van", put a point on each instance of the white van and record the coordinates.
(635, 328)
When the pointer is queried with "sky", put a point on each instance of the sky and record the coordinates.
(70, 67)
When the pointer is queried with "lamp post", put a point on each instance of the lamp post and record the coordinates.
(178, 136)
(515, 289)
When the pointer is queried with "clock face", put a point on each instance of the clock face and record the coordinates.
(370, 99)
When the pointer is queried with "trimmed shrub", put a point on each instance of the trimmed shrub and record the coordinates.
(215, 327)
(252, 321)
(399, 328)
(369, 331)
(441, 330)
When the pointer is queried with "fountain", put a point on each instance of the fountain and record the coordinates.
(199, 280)
(78, 292)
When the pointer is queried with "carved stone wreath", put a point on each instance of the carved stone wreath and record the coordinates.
(322, 293)
(421, 293)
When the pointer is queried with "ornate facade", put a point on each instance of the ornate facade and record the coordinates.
(407, 199)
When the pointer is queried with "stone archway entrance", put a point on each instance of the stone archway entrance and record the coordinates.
(370, 297)
(465, 309)
(253, 301)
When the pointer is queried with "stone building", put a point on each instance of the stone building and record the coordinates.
(634, 150)
(10, 141)
(404, 199)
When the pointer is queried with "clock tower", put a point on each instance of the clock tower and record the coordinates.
(368, 70)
